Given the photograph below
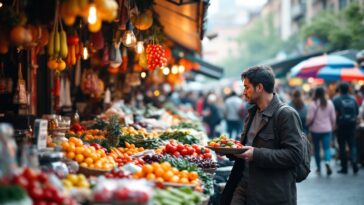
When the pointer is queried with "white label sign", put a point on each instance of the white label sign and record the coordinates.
(41, 133)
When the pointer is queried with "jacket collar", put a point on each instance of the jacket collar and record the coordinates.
(270, 109)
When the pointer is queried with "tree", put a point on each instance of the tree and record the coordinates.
(340, 30)
(257, 43)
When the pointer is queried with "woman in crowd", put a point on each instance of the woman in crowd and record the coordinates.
(299, 105)
(321, 118)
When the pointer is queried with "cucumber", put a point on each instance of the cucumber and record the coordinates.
(64, 47)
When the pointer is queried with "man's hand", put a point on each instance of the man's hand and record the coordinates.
(247, 155)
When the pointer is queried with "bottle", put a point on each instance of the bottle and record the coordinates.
(75, 118)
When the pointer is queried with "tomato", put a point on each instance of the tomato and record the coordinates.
(42, 178)
(29, 174)
(198, 150)
(184, 152)
(207, 156)
(207, 150)
(191, 150)
(195, 146)
(180, 147)
(36, 194)
(21, 181)
(170, 148)
(176, 154)
(217, 145)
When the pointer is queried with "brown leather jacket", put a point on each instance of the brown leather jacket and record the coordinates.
(271, 175)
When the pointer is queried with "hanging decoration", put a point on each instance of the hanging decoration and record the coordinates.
(129, 40)
(144, 20)
(156, 56)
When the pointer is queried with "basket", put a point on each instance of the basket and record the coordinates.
(92, 171)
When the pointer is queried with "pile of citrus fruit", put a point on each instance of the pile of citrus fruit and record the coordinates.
(73, 180)
(164, 172)
(87, 156)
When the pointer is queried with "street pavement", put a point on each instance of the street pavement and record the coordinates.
(338, 189)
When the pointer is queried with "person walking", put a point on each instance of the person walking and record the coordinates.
(299, 105)
(234, 123)
(212, 116)
(347, 113)
(321, 118)
(265, 173)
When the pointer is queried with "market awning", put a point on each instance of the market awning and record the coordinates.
(183, 23)
(206, 68)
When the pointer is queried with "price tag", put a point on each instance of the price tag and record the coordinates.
(41, 133)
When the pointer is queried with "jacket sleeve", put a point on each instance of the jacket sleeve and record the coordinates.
(310, 113)
(290, 152)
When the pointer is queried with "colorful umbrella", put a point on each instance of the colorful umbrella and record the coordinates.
(310, 67)
(345, 74)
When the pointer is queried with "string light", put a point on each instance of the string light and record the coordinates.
(129, 39)
(92, 15)
(143, 74)
(166, 70)
(181, 69)
(156, 93)
(174, 69)
(85, 53)
(139, 48)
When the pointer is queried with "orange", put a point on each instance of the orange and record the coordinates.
(166, 166)
(79, 158)
(65, 146)
(183, 173)
(158, 171)
(84, 164)
(174, 179)
(72, 147)
(73, 139)
(79, 143)
(156, 165)
(80, 150)
(71, 155)
(138, 175)
(192, 176)
(183, 180)
(89, 160)
(147, 168)
(159, 179)
(151, 176)
(167, 176)
(91, 165)
(87, 152)
(175, 170)
(95, 156)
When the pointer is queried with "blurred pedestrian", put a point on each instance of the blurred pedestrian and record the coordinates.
(321, 118)
(212, 114)
(347, 113)
(232, 107)
(299, 105)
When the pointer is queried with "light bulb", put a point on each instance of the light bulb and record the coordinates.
(129, 39)
(139, 48)
(181, 69)
(143, 74)
(92, 17)
(165, 70)
(156, 93)
(174, 69)
(85, 53)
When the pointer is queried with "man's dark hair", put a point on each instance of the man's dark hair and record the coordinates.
(260, 74)
(344, 88)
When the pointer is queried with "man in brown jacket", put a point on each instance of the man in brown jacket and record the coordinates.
(264, 174)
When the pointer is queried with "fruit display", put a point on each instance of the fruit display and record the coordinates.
(139, 132)
(164, 172)
(184, 137)
(39, 188)
(86, 155)
(177, 150)
(87, 135)
(177, 196)
(225, 142)
(115, 173)
(76, 181)
(204, 163)
(155, 56)
(122, 191)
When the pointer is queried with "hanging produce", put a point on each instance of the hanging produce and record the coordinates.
(156, 56)
(57, 45)
(143, 21)
(73, 44)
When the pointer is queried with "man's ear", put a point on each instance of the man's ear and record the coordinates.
(260, 87)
